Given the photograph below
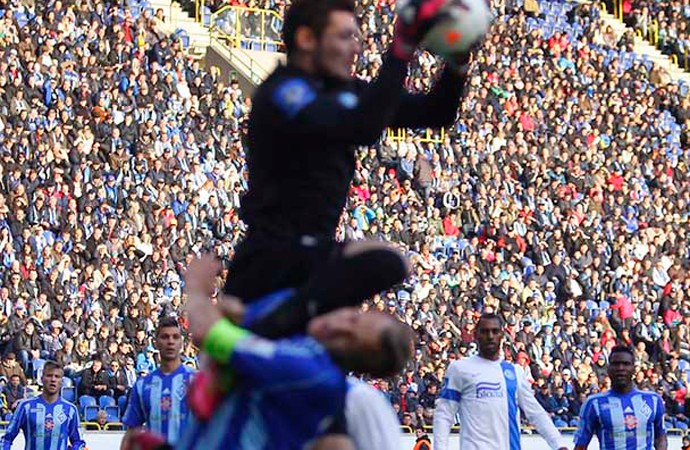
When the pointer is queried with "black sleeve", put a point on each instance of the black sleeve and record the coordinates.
(438, 108)
(359, 123)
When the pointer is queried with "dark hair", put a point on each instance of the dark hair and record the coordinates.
(51, 365)
(167, 322)
(313, 14)
(490, 316)
(623, 349)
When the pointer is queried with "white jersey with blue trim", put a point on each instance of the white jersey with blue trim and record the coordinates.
(488, 395)
(371, 420)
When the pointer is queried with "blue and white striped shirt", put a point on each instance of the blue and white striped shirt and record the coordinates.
(46, 426)
(160, 401)
(621, 421)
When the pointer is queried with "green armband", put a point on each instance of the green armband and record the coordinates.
(221, 339)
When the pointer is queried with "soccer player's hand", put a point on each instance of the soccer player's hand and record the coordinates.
(415, 19)
(200, 279)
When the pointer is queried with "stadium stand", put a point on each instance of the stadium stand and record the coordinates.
(559, 199)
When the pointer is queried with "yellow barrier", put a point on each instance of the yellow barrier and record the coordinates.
(529, 428)
(114, 426)
(249, 26)
(430, 135)
(654, 33)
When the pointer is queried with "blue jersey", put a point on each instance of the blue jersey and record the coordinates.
(287, 393)
(46, 426)
(621, 421)
(160, 401)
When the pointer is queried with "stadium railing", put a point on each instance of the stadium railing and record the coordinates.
(247, 28)
(526, 430)
(428, 135)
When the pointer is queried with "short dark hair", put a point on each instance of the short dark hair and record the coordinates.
(623, 349)
(313, 14)
(52, 365)
(167, 322)
(490, 316)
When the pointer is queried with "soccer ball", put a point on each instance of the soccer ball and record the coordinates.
(464, 23)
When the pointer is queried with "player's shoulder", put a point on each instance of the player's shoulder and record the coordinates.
(464, 365)
(359, 390)
(648, 395)
(601, 397)
(69, 406)
(288, 90)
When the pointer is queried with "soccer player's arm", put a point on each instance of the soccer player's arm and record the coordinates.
(356, 118)
(272, 365)
(134, 414)
(447, 406)
(437, 108)
(75, 435)
(371, 421)
(536, 414)
(660, 440)
(587, 426)
(17, 423)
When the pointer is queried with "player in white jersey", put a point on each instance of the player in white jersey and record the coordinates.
(371, 420)
(489, 393)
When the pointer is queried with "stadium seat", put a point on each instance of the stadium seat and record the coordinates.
(122, 403)
(67, 382)
(106, 400)
(86, 400)
(91, 413)
(113, 413)
(69, 394)
(37, 365)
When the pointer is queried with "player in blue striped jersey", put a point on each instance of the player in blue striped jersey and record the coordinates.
(158, 400)
(48, 421)
(623, 418)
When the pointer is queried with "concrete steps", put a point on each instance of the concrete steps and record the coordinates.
(643, 47)
(176, 18)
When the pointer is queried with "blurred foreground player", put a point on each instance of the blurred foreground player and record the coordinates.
(286, 392)
(489, 394)
(48, 421)
(624, 418)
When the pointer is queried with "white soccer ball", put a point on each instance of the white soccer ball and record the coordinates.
(465, 22)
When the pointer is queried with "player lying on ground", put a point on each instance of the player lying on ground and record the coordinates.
(286, 392)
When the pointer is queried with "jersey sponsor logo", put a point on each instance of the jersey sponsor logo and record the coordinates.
(166, 403)
(50, 424)
(348, 100)
(293, 95)
(489, 390)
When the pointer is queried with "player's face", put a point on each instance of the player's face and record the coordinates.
(621, 370)
(489, 336)
(347, 329)
(52, 381)
(169, 343)
(338, 46)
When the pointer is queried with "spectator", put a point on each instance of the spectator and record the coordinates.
(14, 392)
(94, 380)
(10, 367)
(117, 379)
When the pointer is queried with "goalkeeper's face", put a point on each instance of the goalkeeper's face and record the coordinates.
(338, 46)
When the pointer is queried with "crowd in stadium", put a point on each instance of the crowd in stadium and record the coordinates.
(667, 20)
(560, 200)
